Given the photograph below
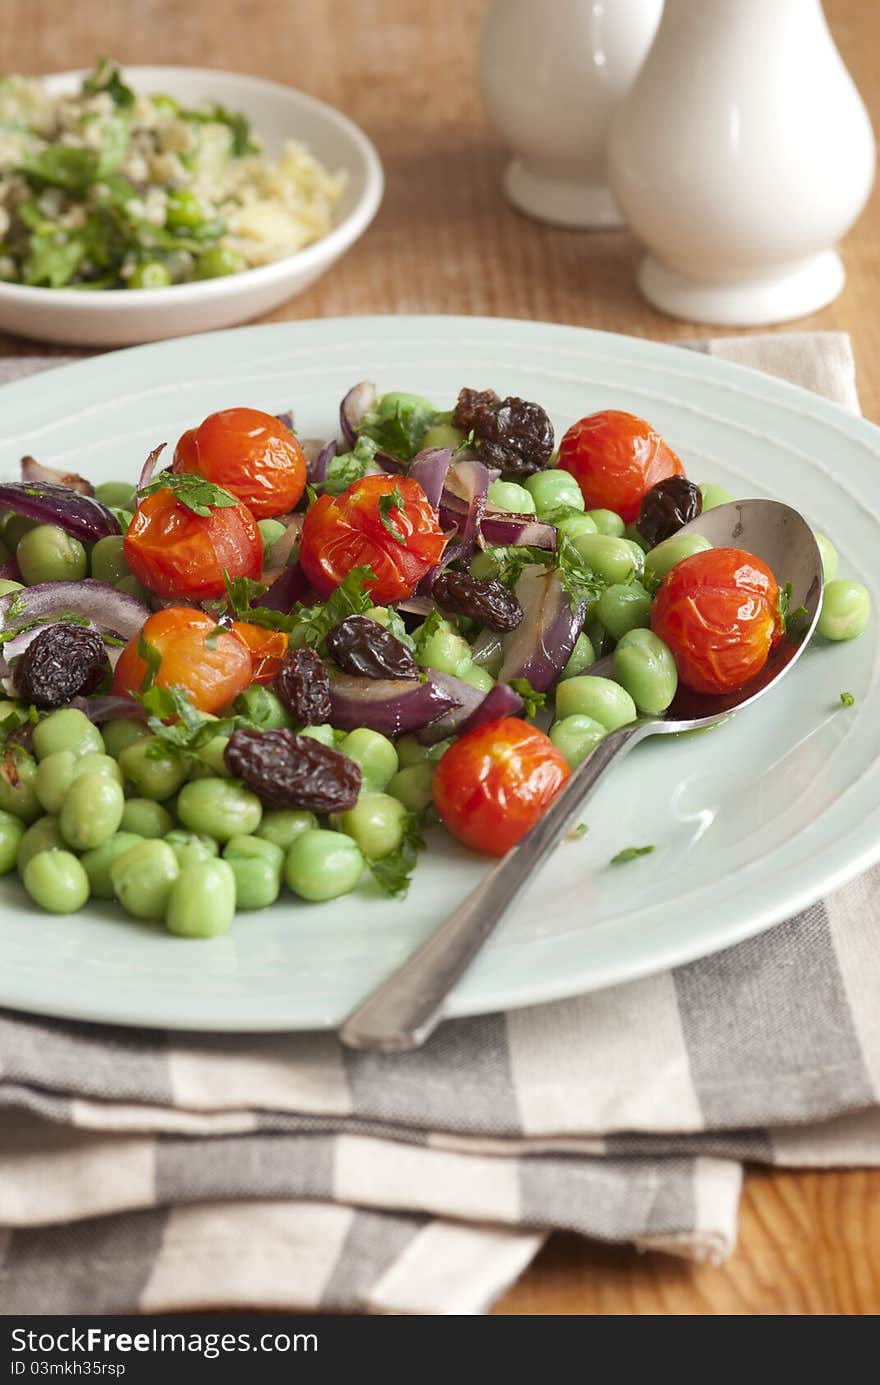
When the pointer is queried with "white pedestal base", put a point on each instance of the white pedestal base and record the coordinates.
(757, 302)
(560, 201)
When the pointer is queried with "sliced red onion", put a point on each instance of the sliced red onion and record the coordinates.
(149, 466)
(110, 707)
(468, 700)
(286, 417)
(387, 462)
(500, 529)
(417, 604)
(9, 571)
(463, 502)
(392, 706)
(318, 468)
(429, 468)
(32, 470)
(286, 590)
(500, 701)
(108, 608)
(356, 403)
(284, 545)
(539, 647)
(81, 515)
(487, 647)
(451, 553)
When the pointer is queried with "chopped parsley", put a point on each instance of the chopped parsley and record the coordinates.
(847, 699)
(393, 874)
(398, 423)
(393, 500)
(347, 467)
(429, 626)
(630, 853)
(153, 660)
(534, 700)
(193, 491)
(794, 621)
(579, 832)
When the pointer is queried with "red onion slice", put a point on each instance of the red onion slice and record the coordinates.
(501, 529)
(463, 502)
(429, 468)
(283, 594)
(149, 466)
(9, 571)
(500, 701)
(468, 700)
(98, 602)
(392, 706)
(356, 403)
(539, 647)
(81, 515)
(110, 707)
(32, 470)
(286, 417)
(317, 469)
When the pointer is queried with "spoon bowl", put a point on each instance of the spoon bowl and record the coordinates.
(405, 1008)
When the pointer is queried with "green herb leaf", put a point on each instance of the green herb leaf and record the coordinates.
(399, 425)
(534, 700)
(153, 660)
(794, 622)
(310, 625)
(847, 699)
(107, 77)
(52, 260)
(396, 627)
(393, 500)
(393, 873)
(63, 166)
(238, 125)
(579, 832)
(193, 491)
(346, 468)
(578, 580)
(630, 853)
(422, 633)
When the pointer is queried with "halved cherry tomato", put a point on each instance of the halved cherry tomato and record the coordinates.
(361, 528)
(175, 552)
(249, 453)
(267, 648)
(494, 783)
(212, 665)
(718, 611)
(615, 458)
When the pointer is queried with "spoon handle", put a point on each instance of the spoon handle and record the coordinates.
(404, 1009)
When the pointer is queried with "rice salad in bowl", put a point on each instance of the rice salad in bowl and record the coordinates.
(109, 188)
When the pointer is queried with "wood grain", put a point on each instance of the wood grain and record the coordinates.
(444, 241)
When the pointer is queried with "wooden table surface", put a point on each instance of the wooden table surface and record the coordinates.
(444, 241)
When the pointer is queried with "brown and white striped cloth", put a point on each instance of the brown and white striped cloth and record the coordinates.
(157, 1171)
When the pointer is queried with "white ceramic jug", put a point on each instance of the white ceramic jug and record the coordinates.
(551, 74)
(740, 156)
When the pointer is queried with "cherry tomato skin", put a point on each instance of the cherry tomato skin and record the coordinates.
(615, 458)
(250, 453)
(212, 667)
(266, 647)
(174, 552)
(492, 785)
(347, 531)
(718, 612)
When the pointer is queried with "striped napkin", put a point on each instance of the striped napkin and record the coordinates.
(157, 1171)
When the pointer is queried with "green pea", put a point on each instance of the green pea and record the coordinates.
(118, 495)
(94, 762)
(221, 808)
(7, 586)
(411, 752)
(323, 732)
(12, 715)
(638, 553)
(219, 261)
(123, 518)
(91, 811)
(632, 535)
(599, 698)
(56, 881)
(551, 490)
(484, 565)
(445, 651)
(846, 610)
(322, 865)
(5, 553)
(401, 402)
(380, 614)
(66, 729)
(121, 733)
(183, 209)
(507, 495)
(611, 558)
(283, 825)
(442, 435)
(713, 496)
(152, 274)
(42, 835)
(828, 554)
(210, 760)
(191, 846)
(624, 607)
(132, 587)
(645, 666)
(97, 862)
(413, 786)
(575, 736)
(108, 564)
(145, 818)
(256, 864)
(607, 522)
(270, 531)
(142, 878)
(54, 777)
(376, 823)
(479, 678)
(201, 903)
(376, 756)
(15, 529)
(262, 707)
(18, 773)
(155, 768)
(671, 551)
(11, 833)
(49, 554)
(583, 656)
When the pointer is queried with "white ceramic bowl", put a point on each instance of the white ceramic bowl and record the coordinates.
(129, 316)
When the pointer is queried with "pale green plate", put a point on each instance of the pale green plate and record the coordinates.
(751, 822)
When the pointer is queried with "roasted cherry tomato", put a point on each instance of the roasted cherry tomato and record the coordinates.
(718, 611)
(615, 458)
(267, 648)
(212, 666)
(494, 783)
(249, 453)
(175, 552)
(368, 526)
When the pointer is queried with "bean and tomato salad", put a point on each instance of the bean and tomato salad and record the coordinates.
(275, 662)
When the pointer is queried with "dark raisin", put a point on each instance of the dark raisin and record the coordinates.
(509, 433)
(303, 684)
(666, 507)
(363, 646)
(487, 601)
(291, 771)
(64, 661)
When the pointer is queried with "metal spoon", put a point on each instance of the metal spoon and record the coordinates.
(405, 1008)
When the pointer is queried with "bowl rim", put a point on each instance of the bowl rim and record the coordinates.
(329, 247)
